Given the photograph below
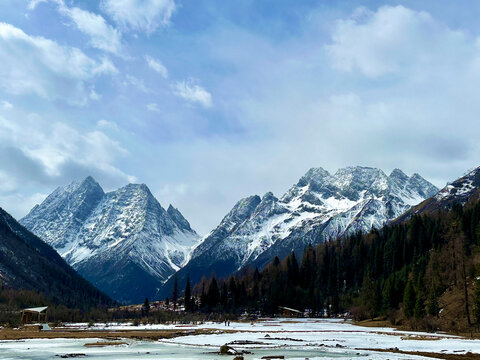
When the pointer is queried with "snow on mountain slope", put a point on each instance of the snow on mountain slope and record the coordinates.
(320, 206)
(460, 191)
(120, 240)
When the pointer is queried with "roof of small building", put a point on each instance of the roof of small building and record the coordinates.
(290, 309)
(37, 309)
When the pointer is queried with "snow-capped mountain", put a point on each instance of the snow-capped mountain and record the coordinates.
(319, 207)
(123, 241)
(460, 191)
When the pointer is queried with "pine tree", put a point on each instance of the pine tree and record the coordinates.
(419, 309)
(188, 296)
(369, 296)
(476, 304)
(175, 292)
(146, 307)
(213, 294)
(409, 299)
(432, 305)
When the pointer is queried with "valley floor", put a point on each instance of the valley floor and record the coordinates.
(292, 338)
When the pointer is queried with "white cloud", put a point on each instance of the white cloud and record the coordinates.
(94, 95)
(157, 66)
(153, 107)
(6, 105)
(105, 124)
(54, 146)
(33, 4)
(192, 92)
(139, 15)
(391, 40)
(7, 183)
(33, 64)
(102, 35)
(136, 82)
(18, 205)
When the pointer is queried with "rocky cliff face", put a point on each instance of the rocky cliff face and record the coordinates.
(123, 241)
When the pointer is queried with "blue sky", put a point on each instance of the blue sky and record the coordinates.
(210, 101)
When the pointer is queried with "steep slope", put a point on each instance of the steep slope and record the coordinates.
(464, 189)
(320, 206)
(26, 262)
(125, 243)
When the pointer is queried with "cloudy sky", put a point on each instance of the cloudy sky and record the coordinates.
(208, 101)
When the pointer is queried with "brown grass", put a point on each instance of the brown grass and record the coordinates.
(17, 334)
(105, 343)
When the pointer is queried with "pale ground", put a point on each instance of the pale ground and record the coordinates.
(305, 338)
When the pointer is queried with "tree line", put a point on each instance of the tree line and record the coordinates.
(401, 271)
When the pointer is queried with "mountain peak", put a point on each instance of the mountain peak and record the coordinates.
(242, 210)
(313, 175)
(398, 174)
(460, 191)
(268, 195)
(89, 180)
(178, 218)
(319, 207)
(125, 232)
(358, 172)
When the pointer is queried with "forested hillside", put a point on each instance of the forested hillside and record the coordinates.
(421, 272)
(28, 263)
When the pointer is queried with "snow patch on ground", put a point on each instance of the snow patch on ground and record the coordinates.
(294, 338)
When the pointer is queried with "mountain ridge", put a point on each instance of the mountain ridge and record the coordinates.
(123, 241)
(462, 190)
(320, 206)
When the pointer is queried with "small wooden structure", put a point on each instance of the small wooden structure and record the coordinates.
(289, 312)
(34, 315)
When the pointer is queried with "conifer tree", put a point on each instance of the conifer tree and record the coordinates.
(175, 292)
(432, 305)
(188, 296)
(146, 307)
(213, 294)
(476, 304)
(419, 309)
(409, 299)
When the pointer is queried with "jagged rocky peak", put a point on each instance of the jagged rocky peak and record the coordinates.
(462, 188)
(319, 207)
(126, 233)
(178, 218)
(244, 208)
(398, 176)
(357, 178)
(460, 191)
(268, 206)
(313, 176)
(77, 190)
(425, 188)
(61, 214)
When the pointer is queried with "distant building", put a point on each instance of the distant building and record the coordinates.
(289, 312)
(34, 315)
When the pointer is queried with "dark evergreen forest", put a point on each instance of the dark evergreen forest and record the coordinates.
(403, 271)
